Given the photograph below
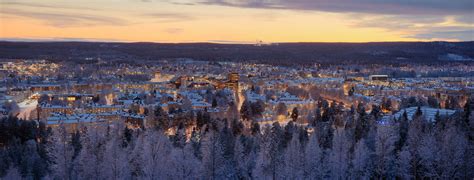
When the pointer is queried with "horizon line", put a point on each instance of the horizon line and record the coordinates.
(91, 40)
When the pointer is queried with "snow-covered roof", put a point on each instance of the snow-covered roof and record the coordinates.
(58, 118)
(428, 112)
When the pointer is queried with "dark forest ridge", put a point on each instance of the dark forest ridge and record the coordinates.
(278, 53)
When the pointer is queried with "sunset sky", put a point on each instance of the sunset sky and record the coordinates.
(237, 21)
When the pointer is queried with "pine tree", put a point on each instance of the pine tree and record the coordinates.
(161, 119)
(115, 164)
(202, 118)
(12, 173)
(402, 130)
(454, 155)
(281, 109)
(179, 139)
(317, 117)
(294, 114)
(418, 113)
(156, 145)
(415, 132)
(270, 159)
(294, 159)
(227, 142)
(127, 136)
(376, 112)
(467, 111)
(184, 164)
(214, 103)
(213, 160)
(360, 161)
(61, 153)
(136, 157)
(76, 143)
(257, 108)
(91, 154)
(237, 127)
(314, 156)
(290, 130)
(403, 164)
(245, 155)
(255, 128)
(339, 157)
(195, 142)
(433, 102)
(246, 110)
(384, 151)
(429, 155)
(362, 124)
(30, 161)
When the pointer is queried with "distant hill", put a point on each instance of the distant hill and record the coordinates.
(282, 53)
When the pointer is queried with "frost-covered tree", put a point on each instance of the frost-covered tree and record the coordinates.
(401, 149)
(92, 152)
(402, 130)
(294, 159)
(414, 134)
(115, 164)
(183, 164)
(454, 155)
(156, 147)
(213, 161)
(226, 141)
(30, 161)
(429, 155)
(245, 155)
(339, 157)
(313, 167)
(136, 156)
(12, 174)
(360, 161)
(270, 161)
(403, 164)
(61, 153)
(384, 151)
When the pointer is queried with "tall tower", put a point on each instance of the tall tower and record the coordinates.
(233, 77)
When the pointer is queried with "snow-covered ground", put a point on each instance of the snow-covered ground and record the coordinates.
(26, 107)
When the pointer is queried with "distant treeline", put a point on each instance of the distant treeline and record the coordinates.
(298, 53)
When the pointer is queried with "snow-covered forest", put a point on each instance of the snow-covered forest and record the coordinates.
(335, 145)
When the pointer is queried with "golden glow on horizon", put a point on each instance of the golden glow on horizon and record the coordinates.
(164, 22)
